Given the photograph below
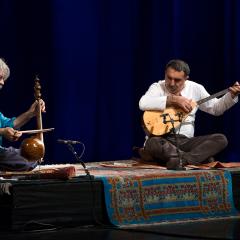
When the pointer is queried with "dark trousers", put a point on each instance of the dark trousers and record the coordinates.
(194, 150)
(11, 160)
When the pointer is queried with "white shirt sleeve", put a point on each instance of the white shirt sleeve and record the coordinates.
(153, 99)
(217, 106)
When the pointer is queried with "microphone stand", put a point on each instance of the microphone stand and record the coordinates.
(78, 159)
(172, 121)
(91, 178)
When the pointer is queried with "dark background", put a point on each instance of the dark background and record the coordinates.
(96, 58)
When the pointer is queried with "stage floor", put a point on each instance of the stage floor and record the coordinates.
(52, 209)
(228, 229)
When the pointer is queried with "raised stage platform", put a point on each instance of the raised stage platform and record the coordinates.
(27, 204)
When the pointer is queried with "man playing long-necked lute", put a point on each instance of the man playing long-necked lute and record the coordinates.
(10, 158)
(177, 92)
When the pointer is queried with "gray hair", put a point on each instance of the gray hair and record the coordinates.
(5, 69)
(178, 65)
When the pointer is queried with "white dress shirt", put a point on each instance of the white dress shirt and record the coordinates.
(156, 98)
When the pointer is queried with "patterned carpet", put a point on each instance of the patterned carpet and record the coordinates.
(169, 196)
(143, 194)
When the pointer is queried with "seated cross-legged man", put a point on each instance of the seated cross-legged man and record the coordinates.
(10, 158)
(177, 91)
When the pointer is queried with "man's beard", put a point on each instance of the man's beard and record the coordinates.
(175, 90)
(172, 90)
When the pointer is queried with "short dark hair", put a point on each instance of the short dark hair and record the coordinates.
(178, 65)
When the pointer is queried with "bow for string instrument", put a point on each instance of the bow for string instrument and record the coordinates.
(157, 123)
(33, 148)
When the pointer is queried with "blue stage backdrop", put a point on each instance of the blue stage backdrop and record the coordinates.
(95, 59)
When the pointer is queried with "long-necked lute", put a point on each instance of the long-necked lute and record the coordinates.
(33, 148)
(158, 123)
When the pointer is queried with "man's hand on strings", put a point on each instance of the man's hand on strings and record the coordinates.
(33, 110)
(26, 116)
(235, 89)
(181, 102)
(11, 134)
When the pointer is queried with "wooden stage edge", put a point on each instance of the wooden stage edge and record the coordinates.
(34, 204)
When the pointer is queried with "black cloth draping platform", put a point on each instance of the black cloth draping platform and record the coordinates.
(34, 204)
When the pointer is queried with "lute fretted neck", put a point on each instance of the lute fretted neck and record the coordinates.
(218, 94)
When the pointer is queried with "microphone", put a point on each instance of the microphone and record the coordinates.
(68, 141)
